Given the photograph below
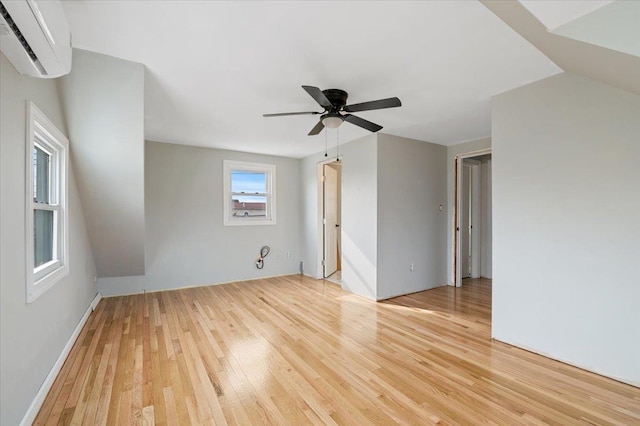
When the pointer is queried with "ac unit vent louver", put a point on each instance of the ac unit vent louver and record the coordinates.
(35, 37)
(18, 33)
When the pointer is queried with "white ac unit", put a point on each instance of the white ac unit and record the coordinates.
(35, 37)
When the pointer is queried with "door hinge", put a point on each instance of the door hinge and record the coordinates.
(322, 262)
(322, 179)
(324, 221)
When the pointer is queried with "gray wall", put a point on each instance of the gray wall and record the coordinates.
(33, 335)
(309, 199)
(187, 244)
(384, 229)
(359, 216)
(104, 104)
(452, 151)
(411, 227)
(565, 208)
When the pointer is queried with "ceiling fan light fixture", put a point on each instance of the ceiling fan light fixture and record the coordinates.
(334, 102)
(332, 121)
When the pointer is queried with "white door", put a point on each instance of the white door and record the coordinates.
(465, 222)
(331, 226)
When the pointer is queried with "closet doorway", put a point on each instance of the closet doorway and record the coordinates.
(330, 206)
(473, 217)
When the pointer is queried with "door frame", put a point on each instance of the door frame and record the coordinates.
(331, 223)
(457, 265)
(320, 215)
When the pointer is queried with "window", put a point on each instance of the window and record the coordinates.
(249, 193)
(46, 204)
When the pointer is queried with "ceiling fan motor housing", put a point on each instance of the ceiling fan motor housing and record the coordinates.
(337, 97)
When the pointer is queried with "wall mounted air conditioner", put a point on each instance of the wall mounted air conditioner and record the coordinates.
(35, 37)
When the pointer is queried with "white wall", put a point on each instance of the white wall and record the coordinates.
(311, 200)
(359, 216)
(384, 229)
(452, 151)
(187, 243)
(411, 227)
(486, 230)
(359, 224)
(104, 104)
(310, 197)
(565, 208)
(33, 335)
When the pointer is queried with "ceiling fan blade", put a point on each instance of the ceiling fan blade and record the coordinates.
(365, 124)
(318, 96)
(317, 129)
(280, 114)
(379, 104)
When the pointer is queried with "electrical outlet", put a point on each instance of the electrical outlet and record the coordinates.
(288, 255)
(411, 268)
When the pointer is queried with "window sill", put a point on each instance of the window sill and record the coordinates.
(39, 287)
(249, 222)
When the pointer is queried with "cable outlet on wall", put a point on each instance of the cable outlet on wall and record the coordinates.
(411, 268)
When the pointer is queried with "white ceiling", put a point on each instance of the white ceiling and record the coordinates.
(213, 68)
(616, 26)
(554, 13)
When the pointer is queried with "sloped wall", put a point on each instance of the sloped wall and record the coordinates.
(103, 99)
(33, 335)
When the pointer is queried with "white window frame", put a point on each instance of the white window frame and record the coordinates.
(270, 170)
(41, 132)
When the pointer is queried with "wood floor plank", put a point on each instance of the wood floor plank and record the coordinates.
(293, 350)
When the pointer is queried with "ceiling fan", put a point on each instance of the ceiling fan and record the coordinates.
(334, 102)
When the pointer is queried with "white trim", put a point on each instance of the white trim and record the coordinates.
(457, 271)
(320, 214)
(270, 170)
(37, 402)
(38, 283)
(565, 361)
(145, 291)
(474, 204)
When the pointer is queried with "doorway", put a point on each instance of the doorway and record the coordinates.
(330, 207)
(473, 217)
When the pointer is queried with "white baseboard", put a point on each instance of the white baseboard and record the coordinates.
(37, 402)
(590, 369)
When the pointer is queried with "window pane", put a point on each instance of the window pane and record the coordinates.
(42, 236)
(249, 206)
(248, 182)
(41, 163)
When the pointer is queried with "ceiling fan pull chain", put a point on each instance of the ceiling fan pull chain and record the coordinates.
(338, 143)
(325, 141)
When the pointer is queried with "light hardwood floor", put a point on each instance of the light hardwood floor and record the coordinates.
(293, 350)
